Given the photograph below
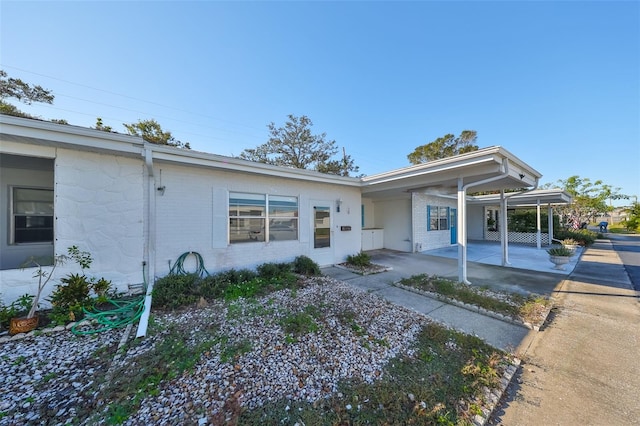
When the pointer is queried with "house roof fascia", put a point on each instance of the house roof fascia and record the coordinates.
(25, 130)
(496, 154)
(65, 135)
(203, 159)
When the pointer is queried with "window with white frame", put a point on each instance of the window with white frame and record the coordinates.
(262, 217)
(32, 215)
(437, 218)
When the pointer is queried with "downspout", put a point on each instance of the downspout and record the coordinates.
(150, 244)
(462, 218)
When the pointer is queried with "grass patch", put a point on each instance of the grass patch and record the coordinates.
(529, 309)
(171, 355)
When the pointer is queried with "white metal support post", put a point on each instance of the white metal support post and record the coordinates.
(550, 222)
(504, 229)
(462, 232)
(538, 226)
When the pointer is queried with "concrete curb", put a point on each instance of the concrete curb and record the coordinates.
(477, 309)
(493, 397)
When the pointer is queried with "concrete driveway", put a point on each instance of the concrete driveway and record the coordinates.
(530, 270)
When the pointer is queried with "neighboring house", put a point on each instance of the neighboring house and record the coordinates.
(136, 207)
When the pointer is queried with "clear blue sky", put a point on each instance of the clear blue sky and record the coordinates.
(555, 83)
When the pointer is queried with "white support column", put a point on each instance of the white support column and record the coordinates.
(504, 230)
(462, 232)
(550, 222)
(538, 226)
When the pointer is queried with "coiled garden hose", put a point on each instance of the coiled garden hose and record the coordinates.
(178, 267)
(129, 311)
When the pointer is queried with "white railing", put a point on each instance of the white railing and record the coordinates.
(518, 237)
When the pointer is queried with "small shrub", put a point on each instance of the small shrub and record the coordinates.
(69, 298)
(298, 324)
(584, 237)
(360, 260)
(306, 266)
(560, 251)
(174, 291)
(274, 270)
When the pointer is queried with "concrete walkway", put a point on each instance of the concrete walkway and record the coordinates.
(584, 368)
(498, 333)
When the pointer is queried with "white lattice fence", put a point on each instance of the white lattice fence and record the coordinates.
(518, 237)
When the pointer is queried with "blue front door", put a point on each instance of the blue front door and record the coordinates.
(453, 225)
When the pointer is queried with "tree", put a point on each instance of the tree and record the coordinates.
(23, 92)
(295, 146)
(151, 131)
(445, 146)
(589, 198)
(634, 217)
(101, 126)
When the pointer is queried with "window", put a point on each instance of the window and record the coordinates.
(32, 214)
(260, 217)
(437, 218)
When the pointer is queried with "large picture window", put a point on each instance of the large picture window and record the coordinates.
(32, 215)
(262, 217)
(437, 218)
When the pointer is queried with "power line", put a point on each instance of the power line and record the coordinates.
(128, 97)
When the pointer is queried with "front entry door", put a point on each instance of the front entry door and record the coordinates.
(321, 243)
(453, 225)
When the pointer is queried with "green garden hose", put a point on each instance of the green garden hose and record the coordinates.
(124, 312)
(178, 267)
(129, 311)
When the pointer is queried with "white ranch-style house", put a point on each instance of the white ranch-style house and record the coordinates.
(136, 207)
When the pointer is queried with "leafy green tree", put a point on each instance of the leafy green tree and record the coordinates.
(151, 131)
(589, 198)
(634, 217)
(445, 146)
(23, 92)
(101, 126)
(295, 146)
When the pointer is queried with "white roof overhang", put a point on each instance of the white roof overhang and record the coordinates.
(443, 175)
(554, 196)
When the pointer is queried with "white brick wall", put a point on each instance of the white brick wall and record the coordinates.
(185, 218)
(423, 239)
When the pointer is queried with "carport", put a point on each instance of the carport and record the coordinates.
(492, 169)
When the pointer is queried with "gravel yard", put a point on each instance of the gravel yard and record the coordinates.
(293, 345)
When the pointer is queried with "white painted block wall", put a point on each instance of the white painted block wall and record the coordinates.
(185, 218)
(427, 240)
(101, 213)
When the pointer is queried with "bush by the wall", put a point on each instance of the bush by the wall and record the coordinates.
(306, 266)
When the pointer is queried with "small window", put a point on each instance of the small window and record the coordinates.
(247, 214)
(32, 214)
(437, 218)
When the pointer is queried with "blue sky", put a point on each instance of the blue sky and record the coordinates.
(555, 83)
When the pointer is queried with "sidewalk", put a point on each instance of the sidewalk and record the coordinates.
(584, 368)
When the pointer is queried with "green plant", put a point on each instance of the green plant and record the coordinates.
(42, 275)
(360, 260)
(569, 242)
(299, 323)
(18, 308)
(274, 270)
(101, 288)
(174, 291)
(306, 266)
(560, 251)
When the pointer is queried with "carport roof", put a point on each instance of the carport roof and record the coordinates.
(554, 196)
(444, 175)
